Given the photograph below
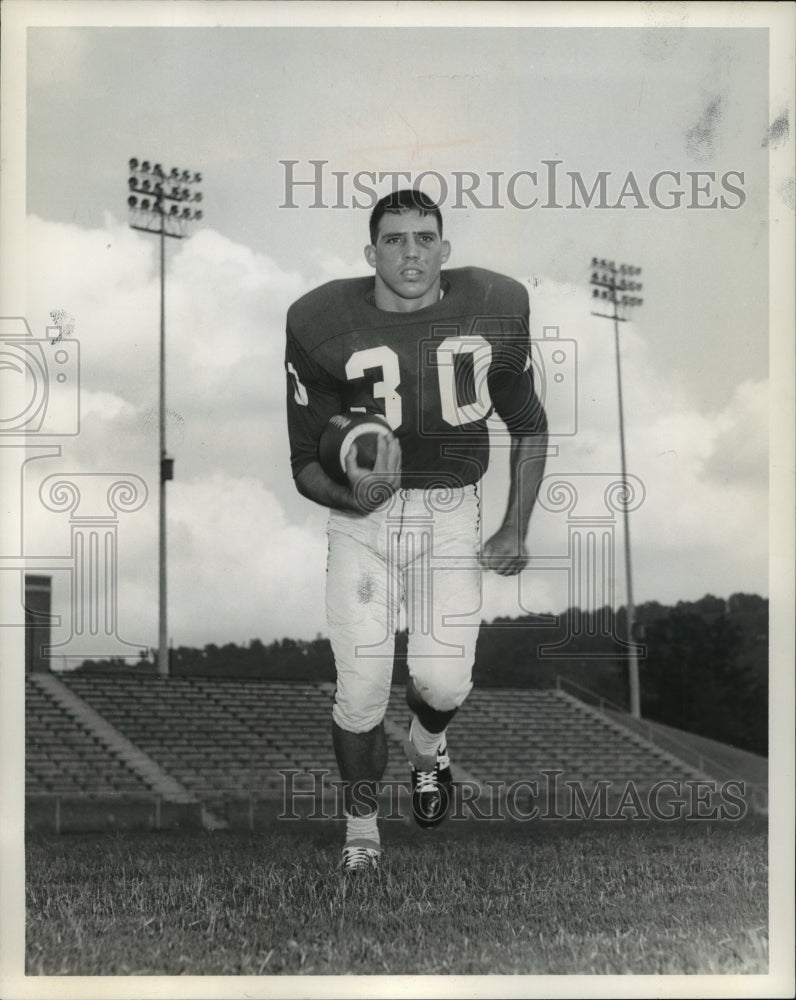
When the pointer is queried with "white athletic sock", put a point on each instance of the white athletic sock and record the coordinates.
(362, 827)
(426, 743)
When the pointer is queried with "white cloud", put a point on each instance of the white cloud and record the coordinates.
(702, 525)
(240, 568)
(740, 448)
(246, 553)
(333, 267)
(105, 405)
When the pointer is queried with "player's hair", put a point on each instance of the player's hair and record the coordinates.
(407, 200)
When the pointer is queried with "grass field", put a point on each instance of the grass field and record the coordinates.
(477, 898)
(474, 898)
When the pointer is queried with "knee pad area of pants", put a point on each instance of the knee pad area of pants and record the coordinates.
(442, 686)
(359, 708)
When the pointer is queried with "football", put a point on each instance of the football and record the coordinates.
(340, 433)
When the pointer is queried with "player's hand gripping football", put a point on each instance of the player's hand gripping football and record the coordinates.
(372, 488)
(505, 552)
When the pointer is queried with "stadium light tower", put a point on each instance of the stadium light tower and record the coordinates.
(162, 204)
(616, 288)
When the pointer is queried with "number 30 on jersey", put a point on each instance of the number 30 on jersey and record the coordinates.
(453, 412)
(385, 360)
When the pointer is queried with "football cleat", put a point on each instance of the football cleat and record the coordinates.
(432, 785)
(360, 854)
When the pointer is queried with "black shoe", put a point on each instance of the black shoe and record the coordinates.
(432, 785)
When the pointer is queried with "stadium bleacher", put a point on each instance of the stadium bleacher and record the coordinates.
(220, 740)
(516, 735)
(216, 737)
(62, 756)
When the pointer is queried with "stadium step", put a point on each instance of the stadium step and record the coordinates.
(632, 738)
(160, 782)
(226, 740)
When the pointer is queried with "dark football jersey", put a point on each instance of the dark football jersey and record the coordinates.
(436, 374)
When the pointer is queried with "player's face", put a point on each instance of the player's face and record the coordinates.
(408, 256)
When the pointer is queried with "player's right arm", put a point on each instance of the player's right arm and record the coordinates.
(369, 489)
(313, 483)
(313, 398)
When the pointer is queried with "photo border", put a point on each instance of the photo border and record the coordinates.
(20, 14)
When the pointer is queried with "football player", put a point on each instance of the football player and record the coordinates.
(435, 352)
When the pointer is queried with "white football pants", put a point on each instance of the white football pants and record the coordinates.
(420, 550)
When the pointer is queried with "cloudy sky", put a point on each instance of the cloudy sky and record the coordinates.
(246, 553)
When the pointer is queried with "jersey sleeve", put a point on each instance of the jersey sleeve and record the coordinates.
(511, 382)
(313, 397)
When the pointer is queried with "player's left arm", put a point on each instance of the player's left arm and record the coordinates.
(505, 552)
(520, 408)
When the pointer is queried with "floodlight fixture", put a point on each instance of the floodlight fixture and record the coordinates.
(151, 215)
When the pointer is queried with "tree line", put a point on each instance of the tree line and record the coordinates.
(703, 665)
